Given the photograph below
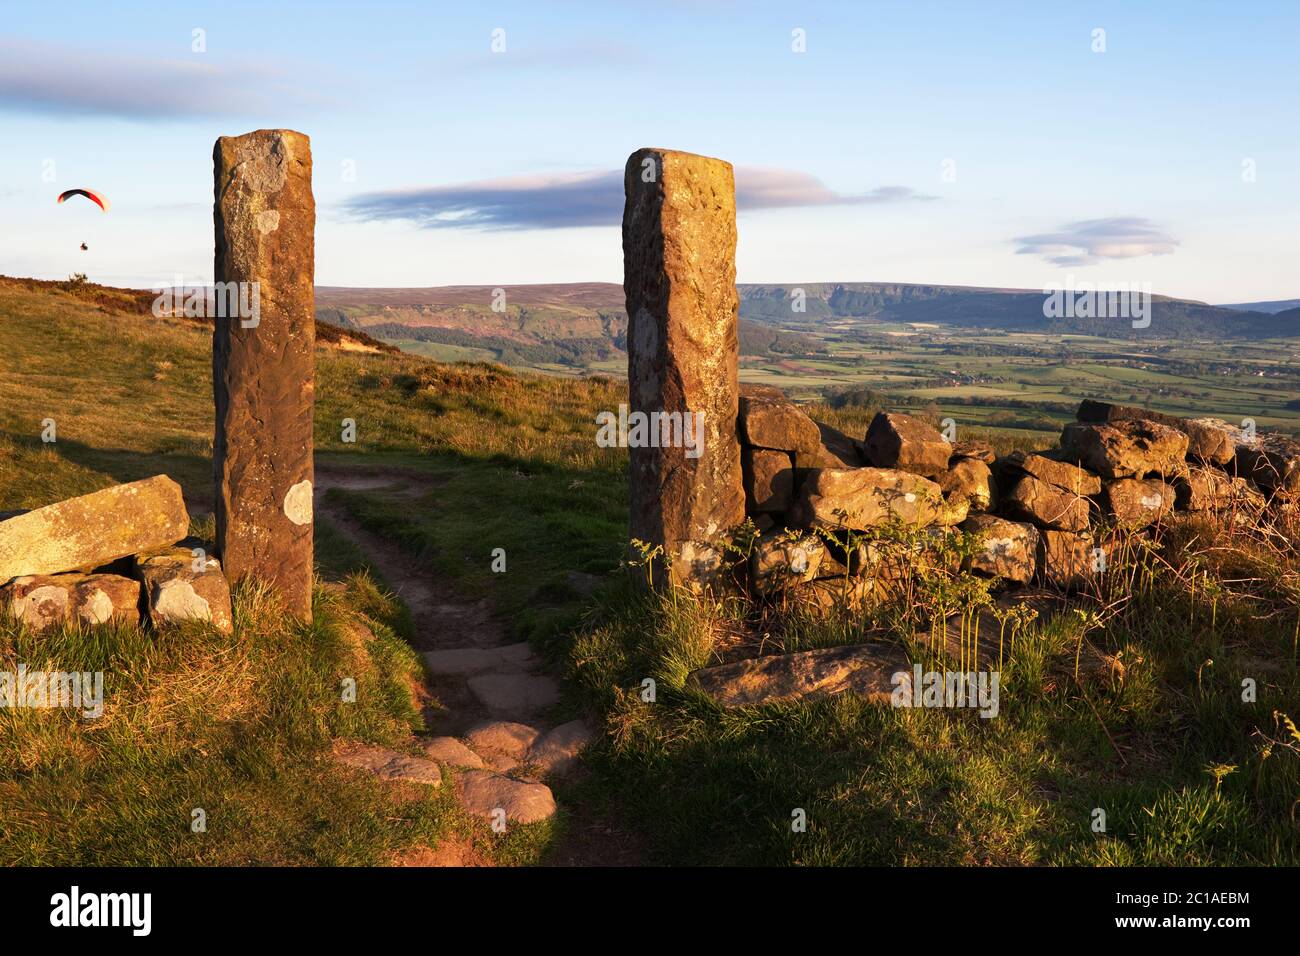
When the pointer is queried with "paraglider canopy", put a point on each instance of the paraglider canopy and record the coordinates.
(97, 198)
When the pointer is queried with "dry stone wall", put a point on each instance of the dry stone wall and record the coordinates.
(1051, 517)
(136, 565)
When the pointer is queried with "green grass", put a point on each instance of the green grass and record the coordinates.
(241, 726)
(881, 785)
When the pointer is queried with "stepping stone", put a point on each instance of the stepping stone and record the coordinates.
(865, 669)
(556, 750)
(471, 660)
(388, 764)
(515, 693)
(482, 793)
(503, 737)
(501, 763)
(453, 753)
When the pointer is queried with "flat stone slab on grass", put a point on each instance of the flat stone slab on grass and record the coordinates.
(458, 661)
(89, 531)
(482, 793)
(865, 669)
(453, 753)
(515, 693)
(388, 764)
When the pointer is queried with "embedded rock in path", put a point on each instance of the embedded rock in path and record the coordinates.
(867, 497)
(1046, 505)
(502, 737)
(458, 661)
(1134, 503)
(452, 753)
(908, 444)
(486, 794)
(583, 583)
(515, 693)
(1125, 448)
(1004, 549)
(769, 479)
(864, 669)
(387, 764)
(556, 750)
(91, 530)
(181, 586)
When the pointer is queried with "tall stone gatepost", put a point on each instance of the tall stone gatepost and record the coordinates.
(679, 276)
(263, 360)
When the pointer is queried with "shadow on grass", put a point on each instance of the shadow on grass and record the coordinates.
(191, 471)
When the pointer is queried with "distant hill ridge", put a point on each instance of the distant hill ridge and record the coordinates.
(868, 302)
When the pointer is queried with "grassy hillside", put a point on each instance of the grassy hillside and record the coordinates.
(242, 727)
(1187, 771)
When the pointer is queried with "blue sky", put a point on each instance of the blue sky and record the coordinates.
(962, 143)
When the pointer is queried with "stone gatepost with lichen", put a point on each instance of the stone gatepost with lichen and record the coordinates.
(679, 277)
(263, 361)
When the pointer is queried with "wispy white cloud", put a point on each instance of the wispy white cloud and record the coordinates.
(593, 198)
(48, 78)
(1092, 240)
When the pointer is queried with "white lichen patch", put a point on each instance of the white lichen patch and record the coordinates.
(176, 600)
(97, 609)
(297, 503)
(1001, 547)
(46, 600)
(268, 220)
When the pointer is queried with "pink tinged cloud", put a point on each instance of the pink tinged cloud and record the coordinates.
(591, 198)
(1090, 241)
